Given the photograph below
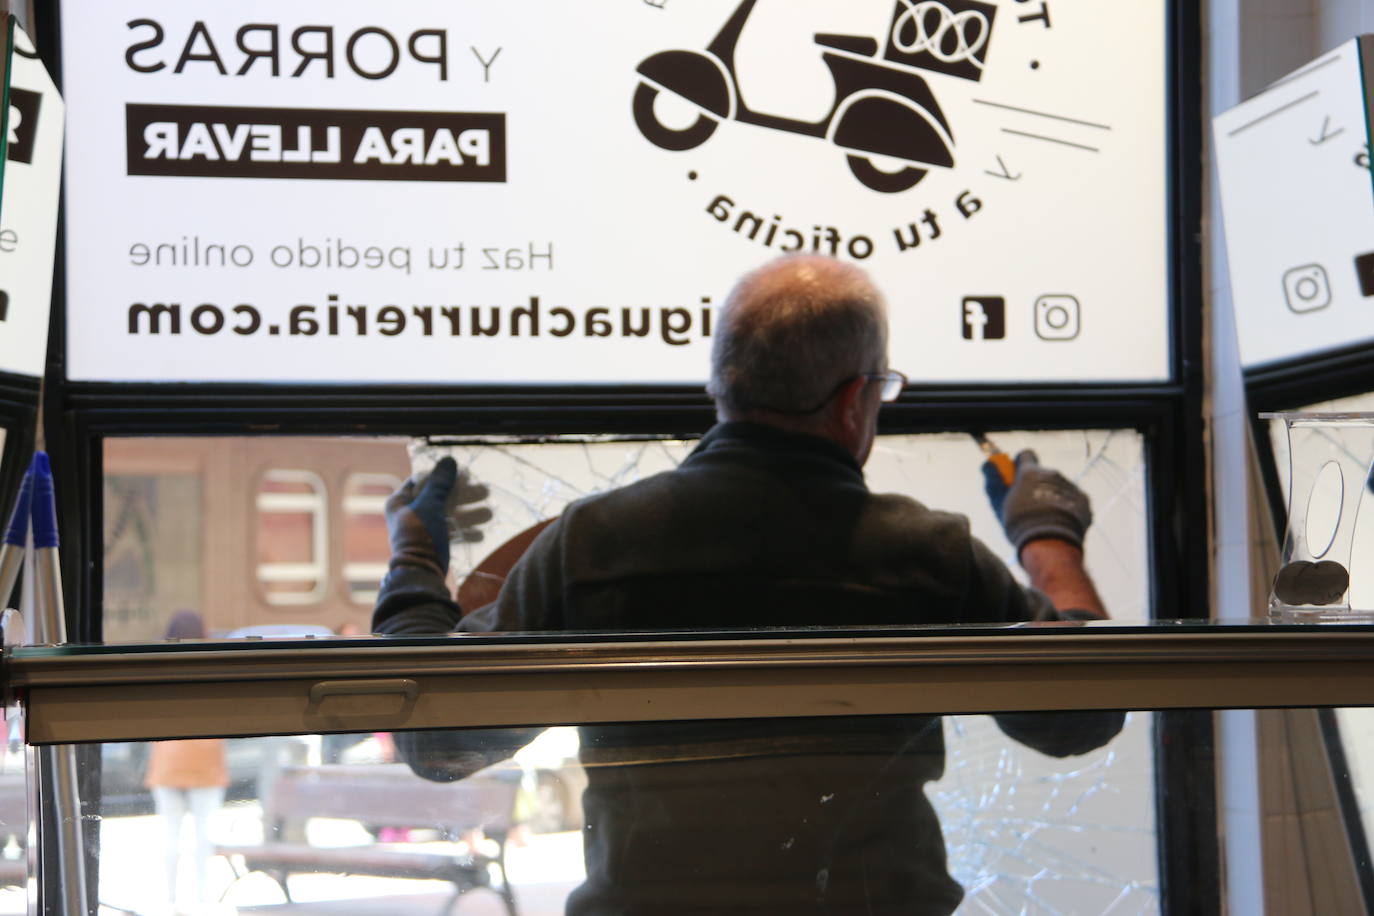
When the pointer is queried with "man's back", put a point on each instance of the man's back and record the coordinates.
(759, 528)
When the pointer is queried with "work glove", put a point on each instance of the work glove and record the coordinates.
(423, 516)
(1039, 503)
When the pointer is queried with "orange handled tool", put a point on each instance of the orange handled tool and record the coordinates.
(1000, 459)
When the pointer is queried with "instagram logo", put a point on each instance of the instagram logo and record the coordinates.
(1057, 317)
(1306, 288)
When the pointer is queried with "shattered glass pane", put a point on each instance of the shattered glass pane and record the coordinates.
(1027, 833)
(944, 471)
(531, 482)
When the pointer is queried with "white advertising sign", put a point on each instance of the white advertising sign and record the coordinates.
(553, 192)
(1298, 205)
(28, 211)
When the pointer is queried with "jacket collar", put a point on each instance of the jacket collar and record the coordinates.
(762, 437)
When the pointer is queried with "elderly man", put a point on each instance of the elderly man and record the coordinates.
(767, 523)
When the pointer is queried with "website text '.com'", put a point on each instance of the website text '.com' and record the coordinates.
(673, 325)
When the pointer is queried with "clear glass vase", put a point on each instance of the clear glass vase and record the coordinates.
(1327, 568)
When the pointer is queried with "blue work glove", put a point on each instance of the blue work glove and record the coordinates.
(1039, 503)
(422, 517)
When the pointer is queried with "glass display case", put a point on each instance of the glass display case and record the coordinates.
(357, 774)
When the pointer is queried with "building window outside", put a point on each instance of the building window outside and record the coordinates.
(293, 537)
(366, 548)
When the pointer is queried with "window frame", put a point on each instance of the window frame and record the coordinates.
(481, 681)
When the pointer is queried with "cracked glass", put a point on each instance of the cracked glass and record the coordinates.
(847, 811)
(1028, 833)
(531, 482)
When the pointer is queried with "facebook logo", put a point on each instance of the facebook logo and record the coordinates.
(1364, 269)
(984, 318)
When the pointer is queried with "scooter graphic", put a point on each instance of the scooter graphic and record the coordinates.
(882, 109)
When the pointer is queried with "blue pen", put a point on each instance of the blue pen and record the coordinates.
(16, 537)
(48, 605)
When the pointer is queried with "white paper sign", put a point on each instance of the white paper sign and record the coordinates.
(28, 211)
(1298, 205)
(550, 192)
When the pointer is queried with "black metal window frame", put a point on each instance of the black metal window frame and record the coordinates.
(78, 417)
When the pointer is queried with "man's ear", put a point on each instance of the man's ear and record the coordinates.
(847, 413)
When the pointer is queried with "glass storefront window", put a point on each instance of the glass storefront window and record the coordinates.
(321, 537)
(208, 524)
(153, 556)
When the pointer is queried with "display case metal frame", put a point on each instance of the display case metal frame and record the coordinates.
(235, 688)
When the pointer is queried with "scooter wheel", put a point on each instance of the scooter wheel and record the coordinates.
(885, 182)
(666, 137)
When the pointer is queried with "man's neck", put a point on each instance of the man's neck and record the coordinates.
(817, 425)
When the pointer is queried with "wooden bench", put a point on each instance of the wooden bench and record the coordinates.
(384, 795)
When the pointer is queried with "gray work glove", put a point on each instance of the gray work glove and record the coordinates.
(1040, 503)
(423, 516)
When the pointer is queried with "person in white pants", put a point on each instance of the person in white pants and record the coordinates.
(187, 775)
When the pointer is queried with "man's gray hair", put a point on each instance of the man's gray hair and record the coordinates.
(793, 330)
